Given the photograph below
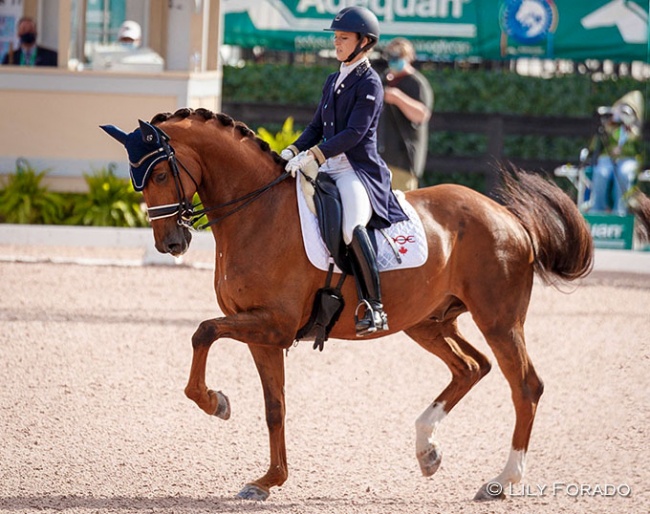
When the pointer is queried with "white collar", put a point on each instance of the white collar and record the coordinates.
(346, 69)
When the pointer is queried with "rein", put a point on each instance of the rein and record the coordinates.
(187, 214)
(247, 199)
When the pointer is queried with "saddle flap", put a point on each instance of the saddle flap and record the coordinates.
(329, 212)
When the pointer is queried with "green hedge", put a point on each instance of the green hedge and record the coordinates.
(473, 91)
(455, 90)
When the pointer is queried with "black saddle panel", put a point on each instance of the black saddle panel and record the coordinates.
(330, 219)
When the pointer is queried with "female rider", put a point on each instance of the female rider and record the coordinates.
(342, 140)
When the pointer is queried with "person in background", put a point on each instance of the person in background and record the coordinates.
(618, 147)
(127, 53)
(404, 123)
(130, 34)
(29, 53)
(341, 140)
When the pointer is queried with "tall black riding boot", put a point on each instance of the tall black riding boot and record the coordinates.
(366, 272)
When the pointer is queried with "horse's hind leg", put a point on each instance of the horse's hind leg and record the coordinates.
(467, 366)
(508, 345)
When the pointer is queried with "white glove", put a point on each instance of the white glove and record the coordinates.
(300, 162)
(287, 154)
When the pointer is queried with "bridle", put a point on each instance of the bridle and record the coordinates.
(187, 213)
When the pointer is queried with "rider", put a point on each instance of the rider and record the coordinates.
(342, 140)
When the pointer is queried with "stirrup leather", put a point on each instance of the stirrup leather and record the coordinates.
(374, 319)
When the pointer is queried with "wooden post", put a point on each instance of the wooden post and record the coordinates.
(65, 32)
(215, 37)
(158, 26)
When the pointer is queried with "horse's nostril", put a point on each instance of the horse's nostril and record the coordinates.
(174, 249)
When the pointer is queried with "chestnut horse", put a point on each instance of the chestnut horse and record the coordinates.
(482, 259)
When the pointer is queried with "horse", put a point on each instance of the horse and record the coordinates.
(483, 256)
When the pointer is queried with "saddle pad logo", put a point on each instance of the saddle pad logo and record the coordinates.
(402, 241)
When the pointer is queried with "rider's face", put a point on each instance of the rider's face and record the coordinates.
(344, 44)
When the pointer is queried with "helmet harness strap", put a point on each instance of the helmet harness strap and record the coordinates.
(359, 49)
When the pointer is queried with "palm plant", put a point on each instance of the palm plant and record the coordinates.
(111, 202)
(280, 140)
(25, 200)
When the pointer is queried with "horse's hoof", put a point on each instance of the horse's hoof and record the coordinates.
(223, 406)
(253, 492)
(490, 491)
(430, 461)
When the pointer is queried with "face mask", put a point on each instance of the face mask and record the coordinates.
(28, 38)
(129, 45)
(397, 65)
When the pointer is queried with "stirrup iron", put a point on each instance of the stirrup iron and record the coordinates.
(374, 319)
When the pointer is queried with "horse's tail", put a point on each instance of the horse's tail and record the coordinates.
(639, 205)
(562, 243)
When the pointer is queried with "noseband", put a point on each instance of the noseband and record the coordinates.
(187, 213)
(183, 208)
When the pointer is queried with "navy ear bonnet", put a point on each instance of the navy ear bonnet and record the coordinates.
(146, 146)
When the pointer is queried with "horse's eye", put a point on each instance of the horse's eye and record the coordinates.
(160, 177)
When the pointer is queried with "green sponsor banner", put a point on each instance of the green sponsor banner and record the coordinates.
(609, 231)
(450, 29)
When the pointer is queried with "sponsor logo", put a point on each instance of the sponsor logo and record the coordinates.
(528, 21)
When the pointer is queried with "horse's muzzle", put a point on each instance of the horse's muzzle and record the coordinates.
(176, 242)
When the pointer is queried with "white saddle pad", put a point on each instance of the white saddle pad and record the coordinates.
(407, 236)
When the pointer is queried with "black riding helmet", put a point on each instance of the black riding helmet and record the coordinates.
(359, 20)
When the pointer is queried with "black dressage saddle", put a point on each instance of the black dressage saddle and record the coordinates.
(328, 303)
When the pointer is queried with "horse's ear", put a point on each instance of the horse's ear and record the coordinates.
(148, 132)
(115, 133)
(151, 133)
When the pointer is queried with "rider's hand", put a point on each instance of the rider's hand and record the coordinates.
(300, 162)
(289, 152)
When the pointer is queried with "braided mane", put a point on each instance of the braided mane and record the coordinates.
(225, 120)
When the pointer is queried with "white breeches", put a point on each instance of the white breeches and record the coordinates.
(357, 209)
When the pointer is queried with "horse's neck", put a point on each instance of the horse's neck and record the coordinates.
(256, 238)
(230, 173)
(263, 212)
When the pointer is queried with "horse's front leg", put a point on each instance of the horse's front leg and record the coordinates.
(244, 327)
(212, 402)
(270, 366)
(266, 341)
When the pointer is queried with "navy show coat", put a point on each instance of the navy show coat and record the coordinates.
(346, 121)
